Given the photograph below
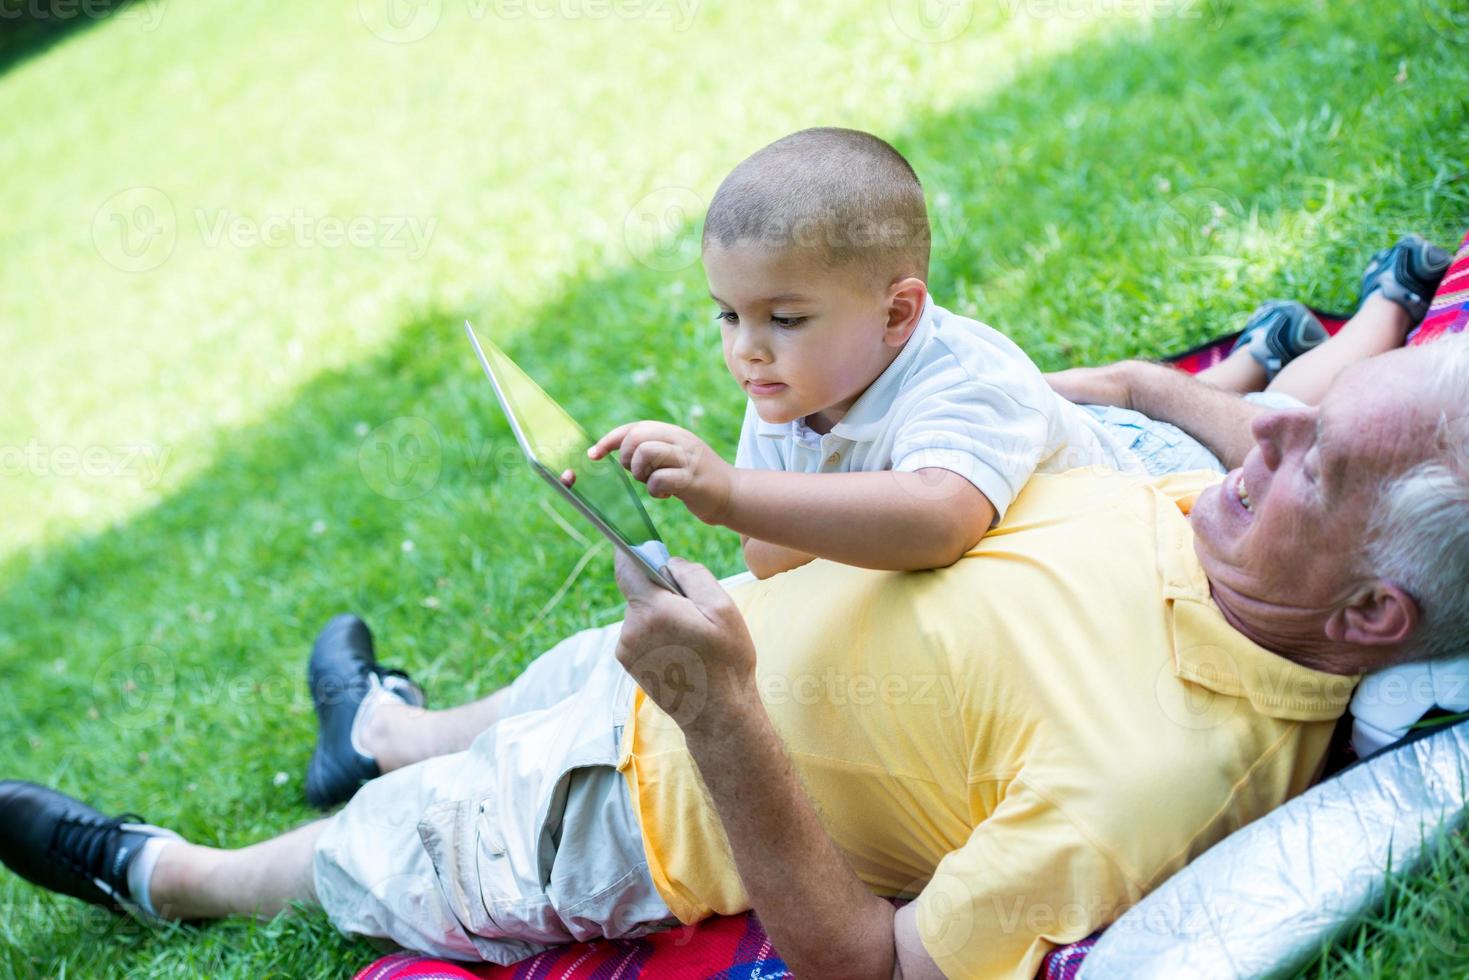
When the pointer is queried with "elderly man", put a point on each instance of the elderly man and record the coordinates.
(1121, 674)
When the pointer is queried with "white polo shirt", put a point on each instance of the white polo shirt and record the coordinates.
(960, 397)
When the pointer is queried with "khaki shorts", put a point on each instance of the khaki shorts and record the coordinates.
(525, 841)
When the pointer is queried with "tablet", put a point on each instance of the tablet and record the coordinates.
(556, 448)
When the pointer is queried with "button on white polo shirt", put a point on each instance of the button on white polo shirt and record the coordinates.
(960, 396)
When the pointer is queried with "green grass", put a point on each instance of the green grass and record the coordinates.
(1422, 930)
(1100, 188)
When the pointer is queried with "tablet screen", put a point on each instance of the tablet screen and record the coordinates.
(560, 445)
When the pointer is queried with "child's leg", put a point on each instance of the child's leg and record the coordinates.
(1275, 334)
(1398, 285)
(1239, 373)
(1379, 326)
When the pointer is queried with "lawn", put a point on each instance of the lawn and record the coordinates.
(240, 240)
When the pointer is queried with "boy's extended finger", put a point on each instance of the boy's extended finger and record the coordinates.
(646, 431)
(610, 441)
(634, 441)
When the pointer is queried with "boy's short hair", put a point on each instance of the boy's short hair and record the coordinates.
(842, 192)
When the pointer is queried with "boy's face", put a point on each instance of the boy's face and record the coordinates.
(801, 338)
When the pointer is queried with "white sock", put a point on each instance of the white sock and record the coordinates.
(140, 872)
(376, 695)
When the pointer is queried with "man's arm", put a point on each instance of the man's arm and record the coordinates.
(1219, 419)
(820, 916)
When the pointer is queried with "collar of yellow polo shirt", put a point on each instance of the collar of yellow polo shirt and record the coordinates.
(1027, 741)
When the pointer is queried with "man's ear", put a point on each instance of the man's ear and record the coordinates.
(905, 308)
(1380, 615)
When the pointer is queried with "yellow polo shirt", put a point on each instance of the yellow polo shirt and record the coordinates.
(1028, 741)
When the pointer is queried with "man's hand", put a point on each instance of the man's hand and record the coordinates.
(695, 659)
(693, 656)
(1107, 385)
(673, 462)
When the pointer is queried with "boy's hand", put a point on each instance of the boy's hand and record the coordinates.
(673, 462)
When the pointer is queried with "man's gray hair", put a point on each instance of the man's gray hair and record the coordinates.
(1418, 537)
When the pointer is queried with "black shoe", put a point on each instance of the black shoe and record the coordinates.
(1408, 274)
(342, 674)
(1278, 332)
(65, 846)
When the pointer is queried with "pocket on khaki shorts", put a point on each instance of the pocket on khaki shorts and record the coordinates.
(506, 914)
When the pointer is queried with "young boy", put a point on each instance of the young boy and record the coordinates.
(881, 430)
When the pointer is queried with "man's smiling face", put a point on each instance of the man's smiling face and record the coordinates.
(1286, 528)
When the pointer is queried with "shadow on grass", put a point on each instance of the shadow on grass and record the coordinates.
(30, 28)
(1131, 197)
